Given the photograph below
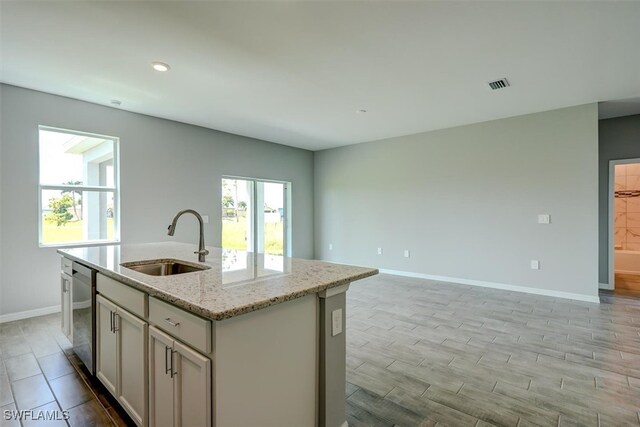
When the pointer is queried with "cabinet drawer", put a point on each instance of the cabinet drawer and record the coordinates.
(66, 265)
(125, 296)
(183, 325)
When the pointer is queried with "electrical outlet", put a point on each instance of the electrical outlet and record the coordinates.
(379, 251)
(535, 264)
(544, 219)
(330, 246)
(336, 322)
(205, 219)
(406, 253)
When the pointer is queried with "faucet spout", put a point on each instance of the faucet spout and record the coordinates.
(202, 252)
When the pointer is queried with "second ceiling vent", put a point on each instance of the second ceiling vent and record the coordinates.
(499, 84)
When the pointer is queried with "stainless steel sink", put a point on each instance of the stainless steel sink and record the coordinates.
(165, 267)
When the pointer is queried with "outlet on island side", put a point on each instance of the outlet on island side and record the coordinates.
(336, 322)
(379, 251)
(330, 246)
(406, 253)
(535, 264)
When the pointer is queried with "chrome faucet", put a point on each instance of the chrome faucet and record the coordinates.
(202, 252)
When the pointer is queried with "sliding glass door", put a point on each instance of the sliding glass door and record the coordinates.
(255, 216)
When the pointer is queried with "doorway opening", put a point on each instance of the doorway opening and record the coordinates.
(624, 222)
(256, 216)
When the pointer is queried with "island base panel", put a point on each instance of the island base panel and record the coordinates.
(266, 367)
(332, 410)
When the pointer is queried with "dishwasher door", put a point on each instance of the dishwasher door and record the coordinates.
(83, 314)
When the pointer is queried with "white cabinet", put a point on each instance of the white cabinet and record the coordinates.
(66, 270)
(106, 343)
(179, 383)
(65, 305)
(121, 360)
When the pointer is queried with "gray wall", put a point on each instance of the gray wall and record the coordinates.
(465, 201)
(165, 166)
(619, 138)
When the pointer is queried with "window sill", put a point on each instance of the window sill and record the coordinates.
(79, 244)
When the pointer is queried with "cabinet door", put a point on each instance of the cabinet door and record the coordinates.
(65, 288)
(106, 343)
(132, 365)
(161, 404)
(192, 380)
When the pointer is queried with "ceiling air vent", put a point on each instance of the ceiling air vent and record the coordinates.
(499, 84)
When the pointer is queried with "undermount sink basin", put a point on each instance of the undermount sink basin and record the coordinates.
(165, 267)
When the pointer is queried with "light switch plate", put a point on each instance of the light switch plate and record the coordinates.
(544, 219)
(205, 219)
(336, 322)
(406, 253)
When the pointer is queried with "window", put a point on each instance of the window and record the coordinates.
(78, 190)
(256, 216)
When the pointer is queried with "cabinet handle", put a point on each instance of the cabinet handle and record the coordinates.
(167, 368)
(111, 321)
(174, 324)
(172, 371)
(116, 322)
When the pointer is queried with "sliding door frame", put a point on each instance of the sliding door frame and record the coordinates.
(286, 201)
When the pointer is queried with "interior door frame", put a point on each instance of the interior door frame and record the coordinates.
(611, 244)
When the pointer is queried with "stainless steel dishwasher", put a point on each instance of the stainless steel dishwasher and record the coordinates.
(83, 315)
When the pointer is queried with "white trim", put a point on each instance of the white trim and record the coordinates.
(328, 293)
(81, 305)
(611, 215)
(525, 289)
(29, 313)
(605, 286)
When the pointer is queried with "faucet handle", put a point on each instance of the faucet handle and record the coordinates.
(202, 252)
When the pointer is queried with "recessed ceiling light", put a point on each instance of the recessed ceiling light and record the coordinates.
(361, 111)
(116, 103)
(160, 66)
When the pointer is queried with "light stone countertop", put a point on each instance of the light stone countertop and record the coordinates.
(237, 282)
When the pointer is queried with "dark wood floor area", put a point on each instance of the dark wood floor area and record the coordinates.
(426, 353)
(39, 372)
(419, 353)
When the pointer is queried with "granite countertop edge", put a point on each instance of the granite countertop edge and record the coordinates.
(209, 314)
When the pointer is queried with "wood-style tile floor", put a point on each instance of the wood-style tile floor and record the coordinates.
(40, 373)
(419, 353)
(424, 353)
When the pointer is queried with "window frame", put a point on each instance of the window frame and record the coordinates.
(102, 189)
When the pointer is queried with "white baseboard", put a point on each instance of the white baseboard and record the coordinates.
(536, 291)
(4, 318)
(605, 286)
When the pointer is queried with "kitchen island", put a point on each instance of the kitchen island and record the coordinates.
(241, 339)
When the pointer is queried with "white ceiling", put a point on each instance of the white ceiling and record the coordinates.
(296, 72)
